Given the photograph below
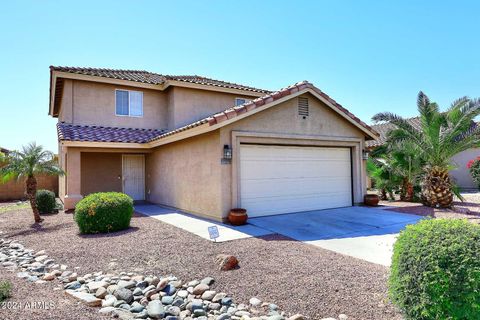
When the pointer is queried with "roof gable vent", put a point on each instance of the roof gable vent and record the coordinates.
(303, 107)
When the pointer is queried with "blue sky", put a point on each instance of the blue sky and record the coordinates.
(370, 56)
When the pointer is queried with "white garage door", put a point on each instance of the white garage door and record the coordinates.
(283, 179)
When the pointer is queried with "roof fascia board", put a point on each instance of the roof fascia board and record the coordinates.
(199, 86)
(203, 128)
(96, 144)
(161, 87)
(75, 76)
(53, 84)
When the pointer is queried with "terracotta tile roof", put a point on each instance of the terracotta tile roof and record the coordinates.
(384, 128)
(246, 107)
(70, 132)
(153, 78)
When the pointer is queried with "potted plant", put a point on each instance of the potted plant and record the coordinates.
(238, 216)
(371, 200)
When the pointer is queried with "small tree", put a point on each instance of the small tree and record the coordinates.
(26, 165)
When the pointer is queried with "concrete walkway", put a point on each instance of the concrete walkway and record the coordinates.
(199, 226)
(361, 232)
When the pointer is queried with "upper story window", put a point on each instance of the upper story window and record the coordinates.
(240, 101)
(129, 103)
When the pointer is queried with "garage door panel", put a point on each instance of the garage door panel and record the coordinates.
(270, 206)
(283, 187)
(283, 169)
(282, 179)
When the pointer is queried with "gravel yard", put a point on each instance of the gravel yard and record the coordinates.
(35, 301)
(297, 277)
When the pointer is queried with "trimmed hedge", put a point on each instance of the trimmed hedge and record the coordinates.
(46, 201)
(435, 272)
(104, 212)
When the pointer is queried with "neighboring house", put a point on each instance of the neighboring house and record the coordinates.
(205, 146)
(460, 174)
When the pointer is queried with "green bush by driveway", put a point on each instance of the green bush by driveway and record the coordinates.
(435, 272)
(104, 212)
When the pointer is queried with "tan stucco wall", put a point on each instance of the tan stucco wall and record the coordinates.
(284, 126)
(284, 118)
(186, 175)
(101, 172)
(92, 103)
(189, 105)
(461, 174)
(90, 170)
(62, 155)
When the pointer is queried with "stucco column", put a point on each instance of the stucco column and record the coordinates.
(73, 179)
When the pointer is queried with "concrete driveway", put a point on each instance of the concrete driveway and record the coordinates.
(361, 232)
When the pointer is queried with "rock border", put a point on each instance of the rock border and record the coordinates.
(134, 296)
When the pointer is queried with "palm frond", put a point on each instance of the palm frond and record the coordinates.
(402, 124)
(422, 100)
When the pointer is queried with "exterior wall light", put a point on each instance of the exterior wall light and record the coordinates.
(365, 154)
(227, 154)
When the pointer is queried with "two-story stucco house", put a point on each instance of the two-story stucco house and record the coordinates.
(205, 146)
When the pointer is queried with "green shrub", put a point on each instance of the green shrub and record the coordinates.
(435, 272)
(5, 290)
(104, 212)
(46, 201)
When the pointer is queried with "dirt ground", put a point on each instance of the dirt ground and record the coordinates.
(468, 209)
(298, 277)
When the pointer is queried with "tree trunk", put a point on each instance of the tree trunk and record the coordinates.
(437, 188)
(410, 192)
(31, 194)
(383, 194)
(407, 190)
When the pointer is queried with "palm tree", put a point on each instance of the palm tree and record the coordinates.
(25, 165)
(441, 136)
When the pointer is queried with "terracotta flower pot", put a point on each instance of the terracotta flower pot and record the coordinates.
(371, 200)
(238, 216)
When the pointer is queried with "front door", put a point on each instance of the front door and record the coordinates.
(133, 167)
